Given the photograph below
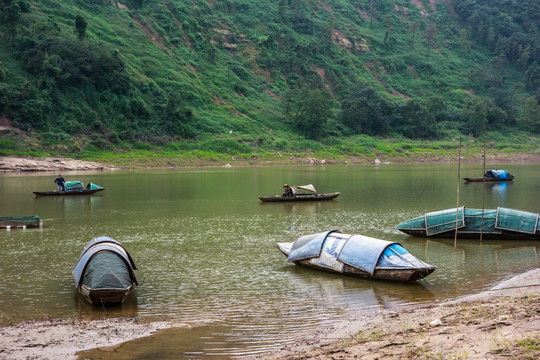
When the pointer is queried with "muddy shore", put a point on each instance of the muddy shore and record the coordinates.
(501, 323)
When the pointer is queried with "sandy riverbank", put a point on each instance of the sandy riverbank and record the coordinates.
(503, 322)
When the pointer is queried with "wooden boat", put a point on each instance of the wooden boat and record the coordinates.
(356, 255)
(500, 223)
(104, 273)
(73, 188)
(492, 175)
(20, 221)
(301, 193)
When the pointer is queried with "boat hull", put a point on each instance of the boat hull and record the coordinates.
(20, 221)
(66, 193)
(356, 255)
(104, 273)
(496, 224)
(315, 197)
(480, 179)
(105, 296)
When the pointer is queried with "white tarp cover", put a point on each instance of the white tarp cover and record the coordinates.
(304, 189)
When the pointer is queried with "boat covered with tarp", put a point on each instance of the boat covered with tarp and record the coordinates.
(500, 223)
(20, 221)
(301, 193)
(356, 255)
(493, 175)
(73, 188)
(104, 272)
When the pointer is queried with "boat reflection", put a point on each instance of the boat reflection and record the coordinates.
(87, 311)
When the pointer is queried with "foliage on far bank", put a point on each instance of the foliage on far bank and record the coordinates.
(238, 76)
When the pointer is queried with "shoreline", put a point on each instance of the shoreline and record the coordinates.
(15, 164)
(478, 326)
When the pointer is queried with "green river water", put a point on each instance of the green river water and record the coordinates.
(205, 248)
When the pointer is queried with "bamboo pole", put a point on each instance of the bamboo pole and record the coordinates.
(457, 206)
(484, 187)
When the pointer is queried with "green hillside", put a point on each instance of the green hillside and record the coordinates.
(240, 77)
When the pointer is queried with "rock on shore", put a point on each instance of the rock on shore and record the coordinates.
(14, 163)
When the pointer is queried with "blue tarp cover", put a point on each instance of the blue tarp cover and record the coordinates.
(498, 174)
(517, 220)
(363, 252)
(441, 221)
(309, 246)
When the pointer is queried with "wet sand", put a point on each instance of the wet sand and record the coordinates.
(503, 322)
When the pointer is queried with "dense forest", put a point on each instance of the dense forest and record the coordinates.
(235, 76)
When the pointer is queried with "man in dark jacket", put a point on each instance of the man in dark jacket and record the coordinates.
(61, 183)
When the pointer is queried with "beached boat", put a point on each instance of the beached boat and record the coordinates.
(20, 221)
(104, 272)
(500, 223)
(301, 193)
(492, 175)
(73, 188)
(356, 255)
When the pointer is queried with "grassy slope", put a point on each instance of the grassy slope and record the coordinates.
(237, 96)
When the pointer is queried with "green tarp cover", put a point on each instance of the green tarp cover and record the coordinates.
(106, 270)
(516, 220)
(74, 185)
(475, 224)
(441, 221)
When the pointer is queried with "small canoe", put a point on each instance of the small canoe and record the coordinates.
(492, 175)
(73, 188)
(500, 223)
(300, 193)
(20, 221)
(104, 273)
(356, 255)
(300, 197)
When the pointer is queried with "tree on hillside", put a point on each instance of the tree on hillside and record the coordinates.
(474, 115)
(365, 111)
(309, 109)
(80, 26)
(530, 115)
(532, 77)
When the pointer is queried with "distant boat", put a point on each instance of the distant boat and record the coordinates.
(301, 193)
(73, 188)
(493, 175)
(500, 223)
(104, 273)
(356, 255)
(20, 221)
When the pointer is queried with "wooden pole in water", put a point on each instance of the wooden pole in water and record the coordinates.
(457, 207)
(484, 187)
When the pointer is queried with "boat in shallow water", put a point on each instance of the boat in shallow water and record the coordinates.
(492, 175)
(20, 221)
(300, 193)
(104, 273)
(500, 223)
(356, 255)
(73, 188)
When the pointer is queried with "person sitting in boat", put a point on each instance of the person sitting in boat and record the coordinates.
(61, 183)
(288, 191)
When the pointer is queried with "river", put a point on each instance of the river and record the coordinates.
(205, 248)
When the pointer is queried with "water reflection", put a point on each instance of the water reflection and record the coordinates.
(497, 189)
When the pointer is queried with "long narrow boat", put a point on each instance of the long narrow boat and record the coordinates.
(20, 221)
(73, 188)
(104, 273)
(500, 223)
(492, 175)
(300, 193)
(356, 255)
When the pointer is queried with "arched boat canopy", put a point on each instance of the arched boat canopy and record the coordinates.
(97, 245)
(362, 252)
(304, 189)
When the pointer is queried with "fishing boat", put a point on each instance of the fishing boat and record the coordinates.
(356, 255)
(500, 223)
(20, 221)
(492, 175)
(73, 188)
(104, 273)
(300, 193)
